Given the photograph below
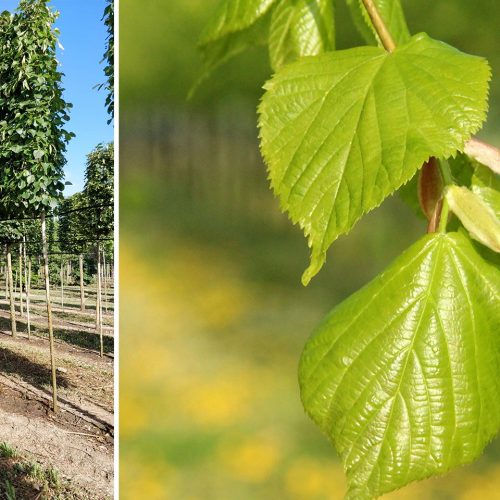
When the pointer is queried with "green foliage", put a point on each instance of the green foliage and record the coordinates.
(109, 58)
(99, 192)
(342, 131)
(72, 231)
(10, 491)
(403, 375)
(300, 28)
(490, 197)
(7, 451)
(478, 211)
(10, 232)
(392, 14)
(236, 26)
(293, 28)
(32, 111)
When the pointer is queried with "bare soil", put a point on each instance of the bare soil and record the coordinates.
(78, 440)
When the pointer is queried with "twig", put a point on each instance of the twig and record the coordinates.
(82, 434)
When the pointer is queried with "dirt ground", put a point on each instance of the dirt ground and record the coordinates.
(78, 440)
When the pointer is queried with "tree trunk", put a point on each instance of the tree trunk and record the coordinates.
(62, 285)
(21, 278)
(6, 278)
(28, 289)
(11, 293)
(49, 314)
(82, 289)
(26, 284)
(105, 282)
(99, 300)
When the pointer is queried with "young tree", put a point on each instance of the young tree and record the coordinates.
(32, 245)
(32, 126)
(99, 194)
(72, 234)
(10, 235)
(403, 376)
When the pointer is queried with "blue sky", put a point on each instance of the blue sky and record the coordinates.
(83, 37)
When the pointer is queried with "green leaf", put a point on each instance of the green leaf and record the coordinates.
(300, 28)
(392, 14)
(343, 130)
(403, 376)
(484, 153)
(462, 168)
(235, 26)
(485, 177)
(478, 211)
(490, 197)
(38, 154)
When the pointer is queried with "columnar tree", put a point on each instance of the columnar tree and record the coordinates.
(32, 126)
(109, 57)
(98, 193)
(71, 233)
(7, 35)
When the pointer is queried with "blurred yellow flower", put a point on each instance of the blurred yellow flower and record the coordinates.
(218, 402)
(309, 478)
(134, 416)
(151, 481)
(253, 460)
(221, 305)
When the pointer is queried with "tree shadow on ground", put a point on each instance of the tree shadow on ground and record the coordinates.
(6, 326)
(30, 371)
(78, 338)
(70, 308)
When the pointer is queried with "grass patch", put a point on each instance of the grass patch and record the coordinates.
(22, 479)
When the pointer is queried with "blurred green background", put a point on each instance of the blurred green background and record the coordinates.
(213, 315)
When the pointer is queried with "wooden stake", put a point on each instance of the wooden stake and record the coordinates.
(49, 314)
(11, 293)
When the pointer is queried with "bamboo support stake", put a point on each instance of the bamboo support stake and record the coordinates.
(99, 301)
(82, 289)
(11, 293)
(21, 279)
(49, 314)
(28, 289)
(62, 285)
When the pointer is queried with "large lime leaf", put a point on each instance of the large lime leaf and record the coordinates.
(235, 26)
(343, 130)
(300, 28)
(391, 13)
(404, 376)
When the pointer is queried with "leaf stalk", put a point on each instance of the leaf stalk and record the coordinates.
(445, 208)
(379, 25)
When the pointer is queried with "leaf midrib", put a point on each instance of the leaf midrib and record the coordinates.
(410, 350)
